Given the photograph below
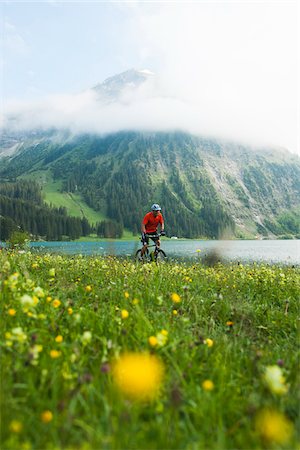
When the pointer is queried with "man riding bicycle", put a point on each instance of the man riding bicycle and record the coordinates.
(150, 224)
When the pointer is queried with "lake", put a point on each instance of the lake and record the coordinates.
(270, 251)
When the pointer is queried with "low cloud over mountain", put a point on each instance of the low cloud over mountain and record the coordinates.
(141, 100)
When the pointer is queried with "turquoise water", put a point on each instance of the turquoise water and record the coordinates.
(271, 251)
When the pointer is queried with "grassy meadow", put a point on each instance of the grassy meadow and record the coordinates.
(102, 353)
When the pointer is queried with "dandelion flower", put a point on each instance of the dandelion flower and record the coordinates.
(153, 341)
(70, 311)
(56, 303)
(273, 426)
(15, 426)
(11, 312)
(126, 294)
(88, 288)
(275, 380)
(229, 323)
(55, 354)
(138, 376)
(208, 342)
(59, 339)
(124, 314)
(175, 312)
(46, 416)
(175, 297)
(208, 385)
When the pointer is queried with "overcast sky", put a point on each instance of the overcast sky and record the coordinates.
(225, 68)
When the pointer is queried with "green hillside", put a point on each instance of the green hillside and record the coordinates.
(207, 188)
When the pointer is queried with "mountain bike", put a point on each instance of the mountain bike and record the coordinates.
(157, 255)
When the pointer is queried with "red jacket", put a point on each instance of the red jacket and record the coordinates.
(151, 222)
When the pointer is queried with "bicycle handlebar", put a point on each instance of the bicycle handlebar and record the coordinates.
(157, 235)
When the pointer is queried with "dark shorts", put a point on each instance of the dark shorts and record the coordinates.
(145, 240)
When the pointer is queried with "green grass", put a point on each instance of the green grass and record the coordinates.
(250, 314)
(72, 202)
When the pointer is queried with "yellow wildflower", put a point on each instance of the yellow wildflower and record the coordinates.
(124, 314)
(34, 265)
(138, 375)
(208, 342)
(48, 298)
(126, 294)
(208, 385)
(11, 312)
(55, 354)
(152, 341)
(175, 312)
(175, 297)
(70, 311)
(164, 332)
(273, 426)
(88, 288)
(15, 426)
(46, 416)
(59, 339)
(56, 303)
(135, 301)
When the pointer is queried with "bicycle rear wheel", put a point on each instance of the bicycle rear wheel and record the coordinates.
(142, 258)
(161, 257)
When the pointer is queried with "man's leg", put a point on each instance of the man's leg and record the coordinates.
(144, 249)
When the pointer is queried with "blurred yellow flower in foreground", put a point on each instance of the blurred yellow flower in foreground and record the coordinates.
(46, 416)
(15, 426)
(55, 354)
(124, 314)
(152, 341)
(208, 342)
(138, 375)
(208, 385)
(59, 339)
(88, 288)
(273, 426)
(175, 297)
(56, 303)
(11, 312)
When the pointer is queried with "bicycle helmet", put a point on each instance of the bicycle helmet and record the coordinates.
(155, 207)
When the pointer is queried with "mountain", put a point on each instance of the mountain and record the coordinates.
(206, 187)
(121, 86)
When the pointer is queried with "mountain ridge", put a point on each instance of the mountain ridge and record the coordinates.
(218, 188)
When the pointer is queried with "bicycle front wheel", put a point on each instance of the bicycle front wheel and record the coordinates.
(142, 258)
(161, 257)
